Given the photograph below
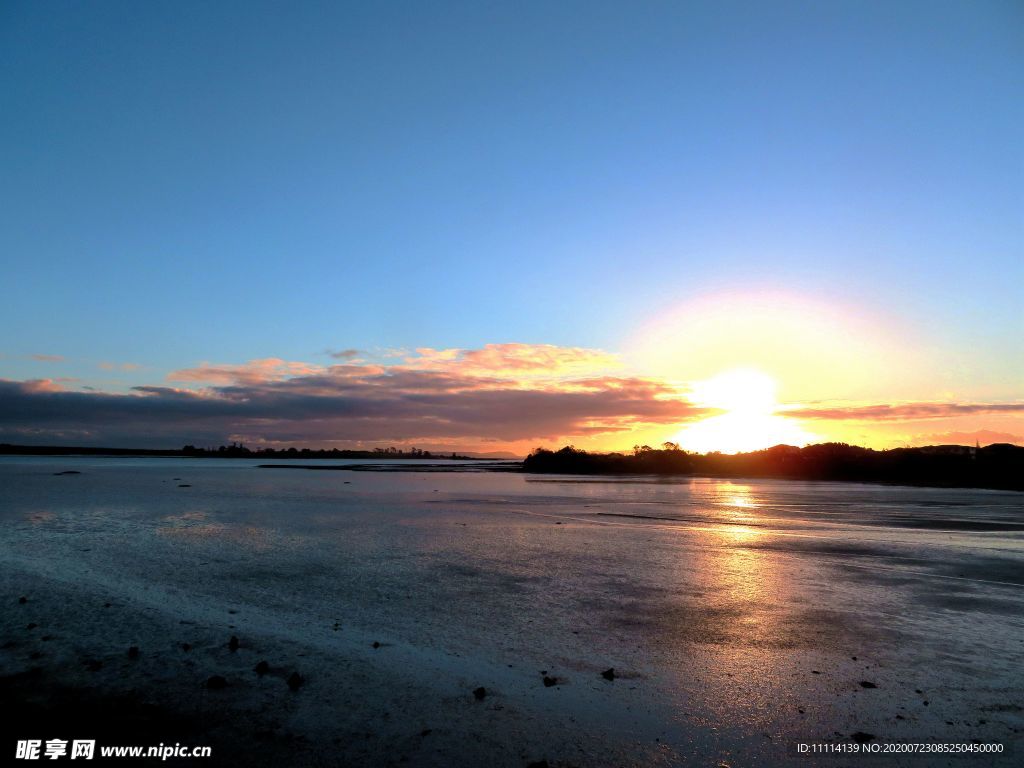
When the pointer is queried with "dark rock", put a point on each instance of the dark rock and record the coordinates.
(233, 644)
(262, 668)
(609, 674)
(22, 600)
(216, 683)
(133, 652)
(68, 472)
(549, 681)
(925, 702)
(376, 644)
(815, 672)
(426, 732)
(35, 655)
(295, 681)
(31, 625)
(46, 638)
(538, 764)
(862, 738)
(184, 485)
(106, 605)
(900, 717)
(866, 684)
(94, 665)
(186, 647)
(480, 693)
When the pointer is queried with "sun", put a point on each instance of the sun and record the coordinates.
(750, 420)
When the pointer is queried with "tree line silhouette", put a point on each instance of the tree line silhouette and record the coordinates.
(1000, 465)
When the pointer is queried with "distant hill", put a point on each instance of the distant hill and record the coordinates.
(1000, 465)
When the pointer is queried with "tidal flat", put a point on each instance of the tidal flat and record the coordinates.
(491, 618)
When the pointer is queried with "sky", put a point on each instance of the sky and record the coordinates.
(496, 225)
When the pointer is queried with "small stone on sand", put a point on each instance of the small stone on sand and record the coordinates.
(295, 681)
(22, 600)
(866, 684)
(862, 738)
(133, 652)
(216, 682)
(480, 693)
(233, 644)
(549, 681)
(262, 668)
(609, 674)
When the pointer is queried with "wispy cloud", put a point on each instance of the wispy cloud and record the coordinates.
(903, 411)
(108, 366)
(251, 373)
(48, 358)
(343, 354)
(515, 359)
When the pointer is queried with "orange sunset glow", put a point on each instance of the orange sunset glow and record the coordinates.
(750, 420)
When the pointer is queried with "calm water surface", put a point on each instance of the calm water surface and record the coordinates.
(741, 617)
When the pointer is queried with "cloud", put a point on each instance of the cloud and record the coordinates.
(35, 386)
(251, 373)
(106, 366)
(443, 395)
(343, 354)
(48, 358)
(515, 359)
(904, 411)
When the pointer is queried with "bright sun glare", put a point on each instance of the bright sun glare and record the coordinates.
(750, 421)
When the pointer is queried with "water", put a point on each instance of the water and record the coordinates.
(740, 617)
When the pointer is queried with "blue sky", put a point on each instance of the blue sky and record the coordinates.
(187, 182)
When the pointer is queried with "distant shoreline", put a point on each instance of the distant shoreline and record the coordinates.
(229, 452)
(996, 467)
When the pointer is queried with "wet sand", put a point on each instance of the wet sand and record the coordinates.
(739, 618)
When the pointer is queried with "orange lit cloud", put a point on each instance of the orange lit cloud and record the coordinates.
(253, 372)
(507, 396)
(49, 358)
(515, 360)
(904, 411)
(37, 386)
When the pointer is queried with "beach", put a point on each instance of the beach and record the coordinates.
(608, 621)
